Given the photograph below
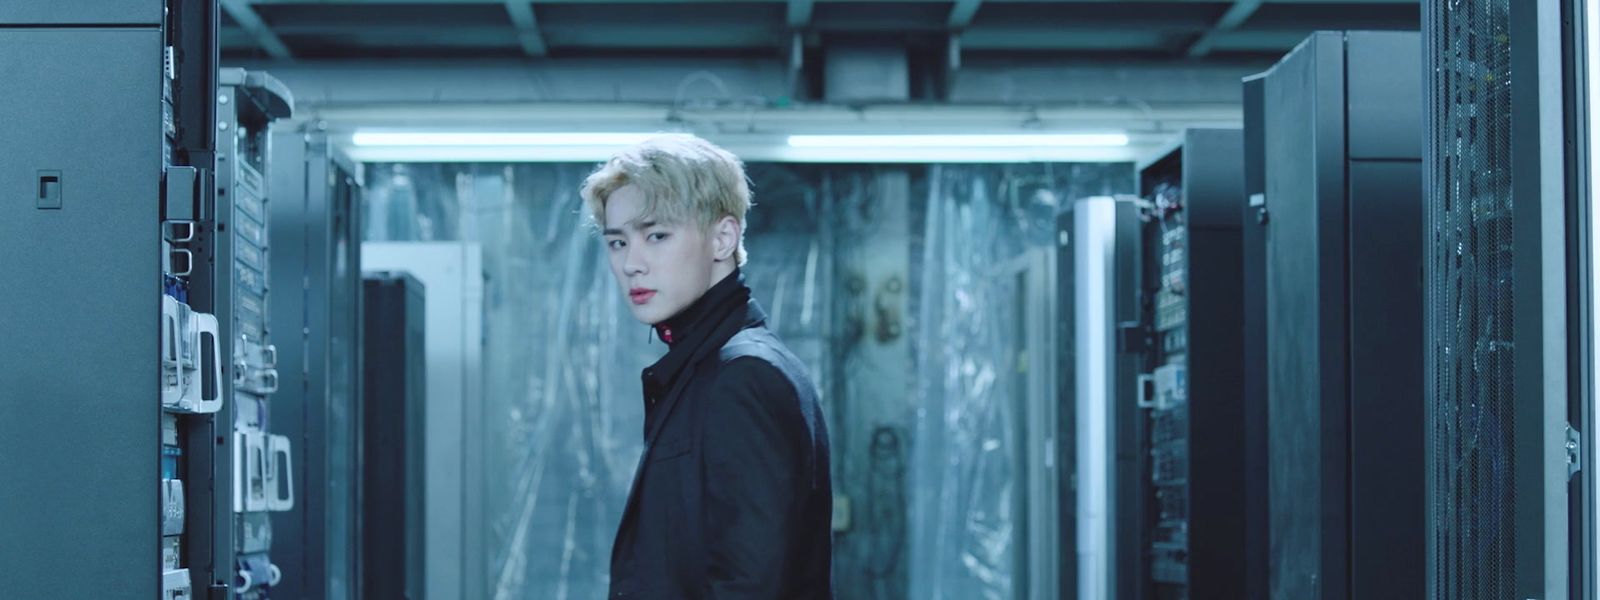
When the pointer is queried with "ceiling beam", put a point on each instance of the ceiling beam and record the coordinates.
(1135, 2)
(800, 13)
(521, 12)
(961, 14)
(1236, 16)
(245, 15)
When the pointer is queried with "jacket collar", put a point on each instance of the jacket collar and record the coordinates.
(702, 328)
(722, 298)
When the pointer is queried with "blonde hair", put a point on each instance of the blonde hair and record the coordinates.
(685, 180)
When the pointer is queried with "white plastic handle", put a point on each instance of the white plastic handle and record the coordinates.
(245, 575)
(257, 470)
(171, 354)
(188, 338)
(188, 262)
(169, 331)
(241, 449)
(1146, 381)
(277, 576)
(269, 382)
(211, 398)
(283, 466)
(179, 232)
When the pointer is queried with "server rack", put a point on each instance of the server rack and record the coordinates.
(1098, 262)
(1341, 120)
(235, 266)
(1067, 436)
(1036, 411)
(1190, 371)
(110, 370)
(316, 282)
(1253, 303)
(392, 412)
(1502, 386)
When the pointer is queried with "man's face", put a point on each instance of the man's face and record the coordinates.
(662, 268)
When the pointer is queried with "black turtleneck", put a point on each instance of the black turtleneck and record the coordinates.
(729, 294)
(695, 333)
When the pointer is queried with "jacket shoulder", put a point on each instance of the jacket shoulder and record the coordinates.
(756, 355)
(761, 344)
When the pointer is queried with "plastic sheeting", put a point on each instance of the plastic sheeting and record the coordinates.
(880, 278)
(562, 354)
(968, 522)
(560, 362)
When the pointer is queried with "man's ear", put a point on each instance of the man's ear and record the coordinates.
(725, 236)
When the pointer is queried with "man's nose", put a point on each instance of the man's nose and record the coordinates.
(633, 263)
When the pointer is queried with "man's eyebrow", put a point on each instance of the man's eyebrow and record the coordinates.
(635, 225)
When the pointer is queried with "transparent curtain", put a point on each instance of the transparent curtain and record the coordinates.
(885, 280)
(969, 504)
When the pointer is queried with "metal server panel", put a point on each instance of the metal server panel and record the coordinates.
(316, 305)
(1510, 493)
(1191, 368)
(92, 162)
(1253, 303)
(1342, 139)
(97, 257)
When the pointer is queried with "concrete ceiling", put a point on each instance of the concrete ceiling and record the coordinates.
(748, 72)
(1183, 31)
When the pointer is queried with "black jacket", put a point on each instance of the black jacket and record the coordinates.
(732, 497)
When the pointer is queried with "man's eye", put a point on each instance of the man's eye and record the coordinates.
(615, 244)
(657, 236)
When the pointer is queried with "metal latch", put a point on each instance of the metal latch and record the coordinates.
(1133, 338)
(1574, 456)
(1259, 202)
(181, 191)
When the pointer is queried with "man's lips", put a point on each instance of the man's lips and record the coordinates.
(641, 295)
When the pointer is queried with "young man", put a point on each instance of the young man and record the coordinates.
(732, 498)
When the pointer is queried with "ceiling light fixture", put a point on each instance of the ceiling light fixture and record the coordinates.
(437, 139)
(1025, 140)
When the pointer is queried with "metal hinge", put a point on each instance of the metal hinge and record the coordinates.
(1574, 455)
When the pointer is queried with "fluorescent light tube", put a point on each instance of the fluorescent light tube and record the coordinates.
(435, 139)
(779, 153)
(1024, 140)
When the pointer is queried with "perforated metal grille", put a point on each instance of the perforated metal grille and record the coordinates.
(1469, 273)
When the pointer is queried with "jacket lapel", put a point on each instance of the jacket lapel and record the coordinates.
(750, 315)
(713, 345)
(667, 404)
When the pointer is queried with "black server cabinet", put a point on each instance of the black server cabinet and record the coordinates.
(1253, 302)
(316, 282)
(1066, 415)
(1341, 117)
(104, 442)
(1505, 380)
(392, 439)
(1190, 369)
